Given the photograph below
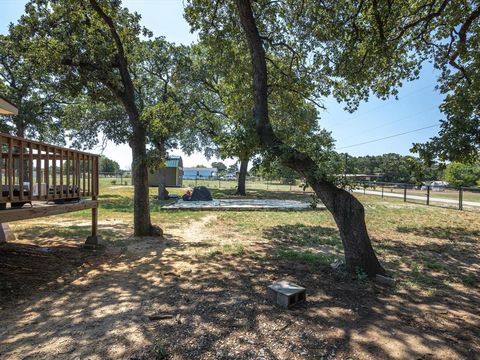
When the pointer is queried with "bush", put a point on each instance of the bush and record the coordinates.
(113, 182)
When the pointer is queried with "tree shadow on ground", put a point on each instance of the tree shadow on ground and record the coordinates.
(300, 234)
(219, 309)
(445, 233)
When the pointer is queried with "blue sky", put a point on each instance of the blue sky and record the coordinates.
(416, 108)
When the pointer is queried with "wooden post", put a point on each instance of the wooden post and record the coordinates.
(460, 199)
(92, 240)
(30, 171)
(428, 194)
(405, 193)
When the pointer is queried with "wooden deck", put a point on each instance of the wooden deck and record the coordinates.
(54, 179)
(37, 210)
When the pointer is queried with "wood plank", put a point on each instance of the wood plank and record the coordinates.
(11, 174)
(39, 171)
(20, 171)
(11, 215)
(30, 170)
(61, 170)
(89, 164)
(68, 174)
(54, 173)
(47, 172)
(83, 174)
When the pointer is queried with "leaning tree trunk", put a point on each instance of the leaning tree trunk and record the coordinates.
(141, 205)
(347, 211)
(242, 178)
(349, 215)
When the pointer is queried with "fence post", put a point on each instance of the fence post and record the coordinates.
(196, 180)
(428, 194)
(382, 190)
(405, 193)
(460, 199)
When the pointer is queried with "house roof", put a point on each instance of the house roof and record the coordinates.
(187, 169)
(174, 161)
(7, 108)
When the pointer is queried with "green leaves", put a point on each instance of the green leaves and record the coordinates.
(355, 49)
(458, 174)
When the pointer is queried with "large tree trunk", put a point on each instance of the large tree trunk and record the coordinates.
(349, 216)
(242, 178)
(141, 205)
(127, 95)
(347, 211)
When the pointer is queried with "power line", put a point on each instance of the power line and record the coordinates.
(388, 137)
(387, 102)
(393, 122)
(395, 100)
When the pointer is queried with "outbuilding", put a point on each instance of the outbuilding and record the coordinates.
(173, 172)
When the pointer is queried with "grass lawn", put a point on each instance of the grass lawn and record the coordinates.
(208, 277)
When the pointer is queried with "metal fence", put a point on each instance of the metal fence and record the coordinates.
(116, 178)
(421, 194)
(426, 194)
(251, 183)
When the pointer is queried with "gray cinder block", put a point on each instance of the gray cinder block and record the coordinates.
(6, 234)
(385, 280)
(286, 294)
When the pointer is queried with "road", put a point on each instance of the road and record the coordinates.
(416, 197)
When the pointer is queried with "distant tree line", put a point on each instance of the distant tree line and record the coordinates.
(387, 168)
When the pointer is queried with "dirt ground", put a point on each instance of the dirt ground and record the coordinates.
(60, 301)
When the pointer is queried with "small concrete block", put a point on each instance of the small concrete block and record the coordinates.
(92, 242)
(286, 294)
(6, 234)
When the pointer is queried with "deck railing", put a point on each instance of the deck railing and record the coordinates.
(32, 170)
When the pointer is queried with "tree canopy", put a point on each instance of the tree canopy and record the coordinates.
(458, 174)
(23, 83)
(120, 83)
(108, 165)
(348, 50)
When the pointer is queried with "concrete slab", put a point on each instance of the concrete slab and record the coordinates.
(239, 205)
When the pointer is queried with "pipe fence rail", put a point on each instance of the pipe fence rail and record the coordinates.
(427, 194)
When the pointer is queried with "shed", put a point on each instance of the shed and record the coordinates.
(173, 171)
